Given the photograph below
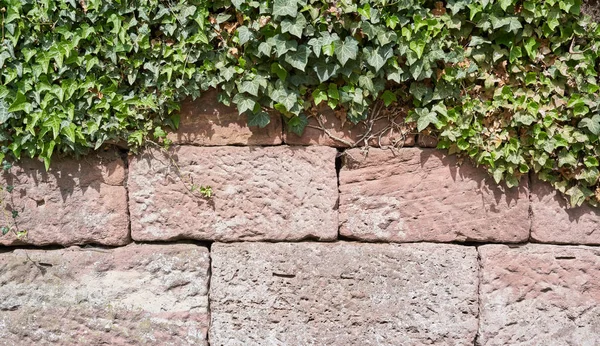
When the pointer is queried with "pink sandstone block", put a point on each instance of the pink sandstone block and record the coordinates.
(554, 221)
(78, 201)
(132, 295)
(205, 121)
(539, 295)
(348, 133)
(343, 294)
(260, 193)
(422, 195)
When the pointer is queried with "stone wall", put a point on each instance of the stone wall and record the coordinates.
(303, 243)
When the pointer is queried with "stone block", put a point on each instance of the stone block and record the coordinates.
(133, 295)
(260, 193)
(343, 294)
(77, 201)
(539, 295)
(417, 194)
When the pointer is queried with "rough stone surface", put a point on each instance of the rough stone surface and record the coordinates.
(75, 202)
(343, 294)
(348, 133)
(134, 295)
(206, 121)
(260, 193)
(422, 195)
(553, 221)
(540, 295)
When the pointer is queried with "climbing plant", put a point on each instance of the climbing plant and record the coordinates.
(512, 84)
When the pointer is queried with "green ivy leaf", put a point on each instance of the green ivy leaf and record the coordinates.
(244, 34)
(299, 58)
(260, 119)
(297, 123)
(388, 97)
(285, 8)
(592, 124)
(346, 50)
(294, 27)
(425, 117)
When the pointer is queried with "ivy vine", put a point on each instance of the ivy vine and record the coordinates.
(512, 84)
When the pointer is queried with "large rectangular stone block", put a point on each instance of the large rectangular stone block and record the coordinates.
(206, 121)
(260, 193)
(417, 194)
(343, 294)
(554, 221)
(540, 295)
(133, 295)
(77, 201)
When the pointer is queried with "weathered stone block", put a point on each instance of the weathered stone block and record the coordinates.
(553, 221)
(134, 295)
(343, 294)
(268, 193)
(75, 202)
(206, 121)
(422, 195)
(384, 133)
(540, 295)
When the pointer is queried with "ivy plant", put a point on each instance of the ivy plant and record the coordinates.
(512, 84)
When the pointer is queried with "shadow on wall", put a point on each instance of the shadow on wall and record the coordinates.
(467, 171)
(65, 174)
(206, 121)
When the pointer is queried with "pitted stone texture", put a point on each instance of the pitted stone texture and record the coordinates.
(343, 294)
(268, 193)
(553, 221)
(133, 295)
(348, 133)
(540, 295)
(422, 195)
(206, 121)
(78, 201)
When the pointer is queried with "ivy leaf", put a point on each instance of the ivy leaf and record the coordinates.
(20, 104)
(425, 118)
(244, 34)
(592, 124)
(249, 86)
(417, 46)
(285, 8)
(297, 123)
(299, 58)
(4, 113)
(325, 70)
(346, 50)
(244, 103)
(319, 96)
(279, 71)
(260, 119)
(388, 97)
(377, 57)
(53, 123)
(294, 27)
(531, 46)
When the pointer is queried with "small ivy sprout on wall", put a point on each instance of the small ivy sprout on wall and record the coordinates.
(164, 144)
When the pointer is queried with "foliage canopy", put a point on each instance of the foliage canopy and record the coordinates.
(513, 84)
